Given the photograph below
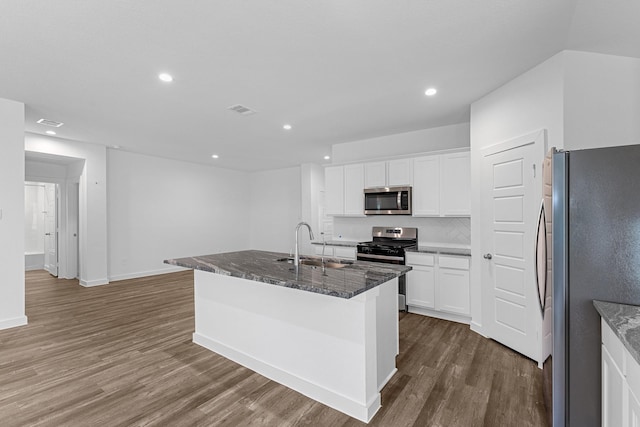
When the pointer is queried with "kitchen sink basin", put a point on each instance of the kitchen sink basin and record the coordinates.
(317, 262)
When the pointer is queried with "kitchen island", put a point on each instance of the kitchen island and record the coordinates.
(331, 335)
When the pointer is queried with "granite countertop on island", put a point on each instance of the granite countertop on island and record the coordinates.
(262, 266)
(624, 320)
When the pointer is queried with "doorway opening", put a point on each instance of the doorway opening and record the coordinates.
(41, 226)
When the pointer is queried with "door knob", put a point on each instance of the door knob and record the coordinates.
(487, 256)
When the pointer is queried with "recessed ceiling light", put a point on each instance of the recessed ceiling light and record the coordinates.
(431, 91)
(165, 77)
(50, 132)
(327, 157)
(214, 156)
(115, 147)
(286, 127)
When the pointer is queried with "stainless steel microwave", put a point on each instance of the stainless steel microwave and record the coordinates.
(387, 201)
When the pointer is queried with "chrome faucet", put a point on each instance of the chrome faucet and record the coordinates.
(296, 256)
(324, 245)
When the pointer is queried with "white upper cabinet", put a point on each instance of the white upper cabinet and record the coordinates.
(396, 173)
(375, 174)
(344, 190)
(354, 190)
(400, 172)
(334, 190)
(426, 186)
(455, 176)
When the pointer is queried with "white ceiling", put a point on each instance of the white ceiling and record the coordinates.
(336, 70)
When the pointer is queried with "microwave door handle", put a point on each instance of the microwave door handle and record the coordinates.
(399, 200)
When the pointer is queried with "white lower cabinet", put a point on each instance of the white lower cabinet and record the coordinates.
(438, 286)
(620, 383)
(346, 252)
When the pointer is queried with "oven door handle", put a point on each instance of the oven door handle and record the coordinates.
(387, 257)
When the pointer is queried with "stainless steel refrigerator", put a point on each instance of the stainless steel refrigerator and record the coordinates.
(595, 255)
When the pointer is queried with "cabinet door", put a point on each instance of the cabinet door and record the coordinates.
(334, 190)
(344, 252)
(453, 291)
(456, 184)
(613, 391)
(354, 190)
(421, 286)
(375, 174)
(400, 172)
(426, 186)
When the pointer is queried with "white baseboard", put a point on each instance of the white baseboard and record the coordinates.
(439, 314)
(478, 329)
(328, 397)
(127, 276)
(12, 323)
(97, 282)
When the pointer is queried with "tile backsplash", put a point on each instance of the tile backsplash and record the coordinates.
(443, 231)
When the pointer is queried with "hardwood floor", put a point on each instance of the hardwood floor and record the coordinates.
(121, 355)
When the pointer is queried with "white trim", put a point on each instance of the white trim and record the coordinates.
(97, 282)
(314, 391)
(478, 329)
(439, 314)
(13, 322)
(520, 141)
(171, 269)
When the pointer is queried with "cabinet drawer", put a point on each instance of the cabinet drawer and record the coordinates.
(416, 258)
(460, 263)
(613, 345)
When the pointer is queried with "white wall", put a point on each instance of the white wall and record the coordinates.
(602, 100)
(93, 201)
(421, 141)
(160, 209)
(531, 102)
(12, 308)
(276, 209)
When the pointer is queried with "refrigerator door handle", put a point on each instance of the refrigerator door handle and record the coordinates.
(540, 266)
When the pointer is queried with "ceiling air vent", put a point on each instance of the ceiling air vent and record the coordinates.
(48, 122)
(241, 109)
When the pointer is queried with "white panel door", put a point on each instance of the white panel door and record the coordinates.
(511, 192)
(51, 229)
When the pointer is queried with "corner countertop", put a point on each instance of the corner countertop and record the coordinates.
(440, 250)
(262, 266)
(624, 320)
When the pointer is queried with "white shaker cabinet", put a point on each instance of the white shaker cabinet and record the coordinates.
(393, 173)
(453, 285)
(375, 174)
(426, 186)
(344, 190)
(614, 383)
(400, 172)
(421, 280)
(455, 176)
(438, 286)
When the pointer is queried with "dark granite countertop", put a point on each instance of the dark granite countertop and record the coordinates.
(441, 250)
(347, 243)
(263, 266)
(624, 320)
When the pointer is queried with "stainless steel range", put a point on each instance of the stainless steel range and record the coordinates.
(389, 245)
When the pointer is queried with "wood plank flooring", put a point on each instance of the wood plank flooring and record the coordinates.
(121, 355)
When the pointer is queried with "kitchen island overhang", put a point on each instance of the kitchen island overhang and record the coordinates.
(331, 336)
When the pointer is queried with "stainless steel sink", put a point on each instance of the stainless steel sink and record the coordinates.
(317, 262)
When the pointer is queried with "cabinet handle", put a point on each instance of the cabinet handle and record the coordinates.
(487, 256)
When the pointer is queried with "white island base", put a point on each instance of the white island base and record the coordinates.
(340, 352)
